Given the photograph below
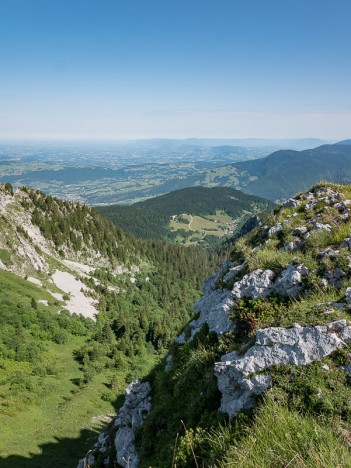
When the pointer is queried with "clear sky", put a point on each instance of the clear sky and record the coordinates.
(175, 68)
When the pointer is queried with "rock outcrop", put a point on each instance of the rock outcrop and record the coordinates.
(255, 284)
(130, 417)
(214, 306)
(240, 378)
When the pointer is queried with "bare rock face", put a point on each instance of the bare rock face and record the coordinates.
(233, 271)
(348, 297)
(214, 308)
(291, 203)
(289, 282)
(131, 416)
(274, 229)
(346, 243)
(253, 285)
(320, 227)
(240, 378)
(210, 284)
(262, 283)
(310, 206)
(343, 206)
(300, 231)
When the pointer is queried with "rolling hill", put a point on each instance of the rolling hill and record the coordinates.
(197, 214)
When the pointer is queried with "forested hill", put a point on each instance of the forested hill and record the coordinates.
(150, 219)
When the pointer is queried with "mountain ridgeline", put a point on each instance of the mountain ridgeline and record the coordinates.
(150, 219)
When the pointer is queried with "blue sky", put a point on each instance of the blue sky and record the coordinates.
(197, 68)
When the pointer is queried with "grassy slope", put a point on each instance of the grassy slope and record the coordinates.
(52, 408)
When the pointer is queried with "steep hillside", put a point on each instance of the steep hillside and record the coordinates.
(202, 215)
(261, 375)
(84, 309)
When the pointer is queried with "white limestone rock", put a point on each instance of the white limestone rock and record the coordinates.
(348, 297)
(233, 272)
(254, 284)
(210, 284)
(291, 203)
(214, 306)
(326, 190)
(327, 195)
(320, 227)
(126, 455)
(300, 231)
(261, 283)
(343, 206)
(289, 283)
(346, 243)
(214, 310)
(306, 196)
(240, 378)
(292, 246)
(329, 252)
(131, 416)
(274, 229)
(335, 277)
(310, 206)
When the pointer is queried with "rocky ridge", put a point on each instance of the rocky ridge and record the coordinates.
(282, 299)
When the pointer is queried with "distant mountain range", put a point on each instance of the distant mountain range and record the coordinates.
(129, 176)
(275, 177)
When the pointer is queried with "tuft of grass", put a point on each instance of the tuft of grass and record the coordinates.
(281, 438)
